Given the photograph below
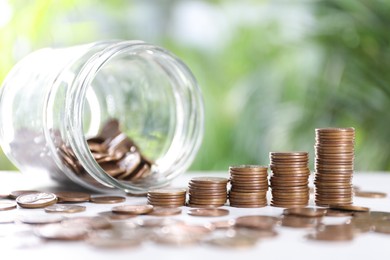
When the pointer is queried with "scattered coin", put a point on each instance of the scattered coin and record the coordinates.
(16, 193)
(114, 239)
(338, 213)
(133, 209)
(113, 216)
(299, 222)
(7, 205)
(349, 207)
(57, 208)
(370, 194)
(40, 219)
(72, 196)
(60, 232)
(382, 227)
(257, 222)
(180, 234)
(208, 212)
(107, 199)
(36, 200)
(232, 242)
(343, 232)
(87, 222)
(163, 211)
(305, 212)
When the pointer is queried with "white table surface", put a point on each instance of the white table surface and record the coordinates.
(290, 244)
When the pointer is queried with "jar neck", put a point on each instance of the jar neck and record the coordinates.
(186, 111)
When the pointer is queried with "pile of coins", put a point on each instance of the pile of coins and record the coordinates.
(114, 151)
(334, 158)
(169, 198)
(290, 179)
(207, 192)
(249, 186)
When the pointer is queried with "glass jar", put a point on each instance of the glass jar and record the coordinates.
(55, 102)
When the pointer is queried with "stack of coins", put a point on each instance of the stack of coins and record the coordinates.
(334, 152)
(168, 198)
(207, 192)
(249, 186)
(290, 179)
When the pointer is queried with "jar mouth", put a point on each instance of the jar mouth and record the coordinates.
(154, 96)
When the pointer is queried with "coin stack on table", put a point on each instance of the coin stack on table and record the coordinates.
(290, 179)
(249, 186)
(334, 158)
(207, 192)
(169, 198)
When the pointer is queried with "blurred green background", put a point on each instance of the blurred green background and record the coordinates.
(270, 71)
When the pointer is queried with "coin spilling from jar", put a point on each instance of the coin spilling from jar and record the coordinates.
(114, 151)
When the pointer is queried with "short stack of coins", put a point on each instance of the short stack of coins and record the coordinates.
(290, 179)
(334, 158)
(206, 192)
(249, 186)
(167, 198)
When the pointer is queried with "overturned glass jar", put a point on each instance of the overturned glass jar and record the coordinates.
(107, 115)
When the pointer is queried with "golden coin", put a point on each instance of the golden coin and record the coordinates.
(72, 196)
(36, 200)
(7, 205)
(132, 209)
(57, 208)
(107, 199)
(208, 212)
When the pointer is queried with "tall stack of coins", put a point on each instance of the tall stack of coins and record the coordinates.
(114, 151)
(207, 192)
(334, 151)
(249, 186)
(290, 179)
(170, 198)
